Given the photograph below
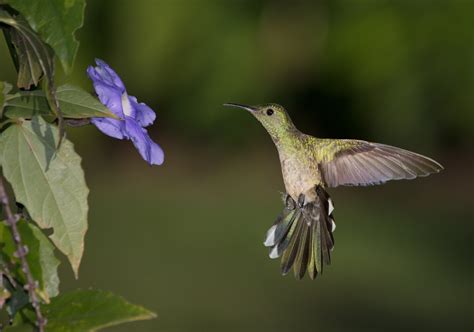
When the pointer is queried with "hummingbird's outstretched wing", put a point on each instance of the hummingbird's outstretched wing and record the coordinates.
(360, 163)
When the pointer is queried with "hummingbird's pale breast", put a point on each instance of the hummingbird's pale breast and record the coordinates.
(299, 169)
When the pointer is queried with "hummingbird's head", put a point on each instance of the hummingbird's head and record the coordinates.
(273, 117)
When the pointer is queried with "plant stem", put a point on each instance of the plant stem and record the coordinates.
(77, 122)
(21, 252)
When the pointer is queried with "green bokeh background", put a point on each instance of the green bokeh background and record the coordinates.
(185, 239)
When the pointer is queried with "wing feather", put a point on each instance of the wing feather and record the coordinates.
(361, 163)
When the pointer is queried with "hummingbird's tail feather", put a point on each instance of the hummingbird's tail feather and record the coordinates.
(302, 235)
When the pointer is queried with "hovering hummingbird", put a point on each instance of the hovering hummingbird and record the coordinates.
(303, 233)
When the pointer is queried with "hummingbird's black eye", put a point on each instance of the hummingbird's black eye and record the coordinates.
(269, 111)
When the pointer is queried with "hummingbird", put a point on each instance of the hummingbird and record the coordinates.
(302, 235)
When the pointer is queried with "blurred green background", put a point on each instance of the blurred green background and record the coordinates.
(185, 239)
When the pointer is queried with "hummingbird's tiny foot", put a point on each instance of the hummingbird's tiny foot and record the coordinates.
(301, 200)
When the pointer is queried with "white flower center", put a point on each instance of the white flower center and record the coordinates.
(126, 106)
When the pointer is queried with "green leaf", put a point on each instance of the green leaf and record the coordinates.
(90, 310)
(29, 67)
(32, 56)
(4, 293)
(17, 296)
(56, 22)
(49, 182)
(17, 301)
(41, 260)
(4, 90)
(74, 102)
(43, 263)
(24, 321)
(26, 104)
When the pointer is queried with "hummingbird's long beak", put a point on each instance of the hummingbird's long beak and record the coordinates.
(245, 107)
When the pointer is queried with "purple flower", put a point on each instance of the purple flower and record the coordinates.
(133, 116)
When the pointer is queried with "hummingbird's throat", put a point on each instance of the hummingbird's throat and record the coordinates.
(282, 135)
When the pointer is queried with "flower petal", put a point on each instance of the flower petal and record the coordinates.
(108, 75)
(109, 95)
(144, 114)
(128, 109)
(110, 127)
(149, 150)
